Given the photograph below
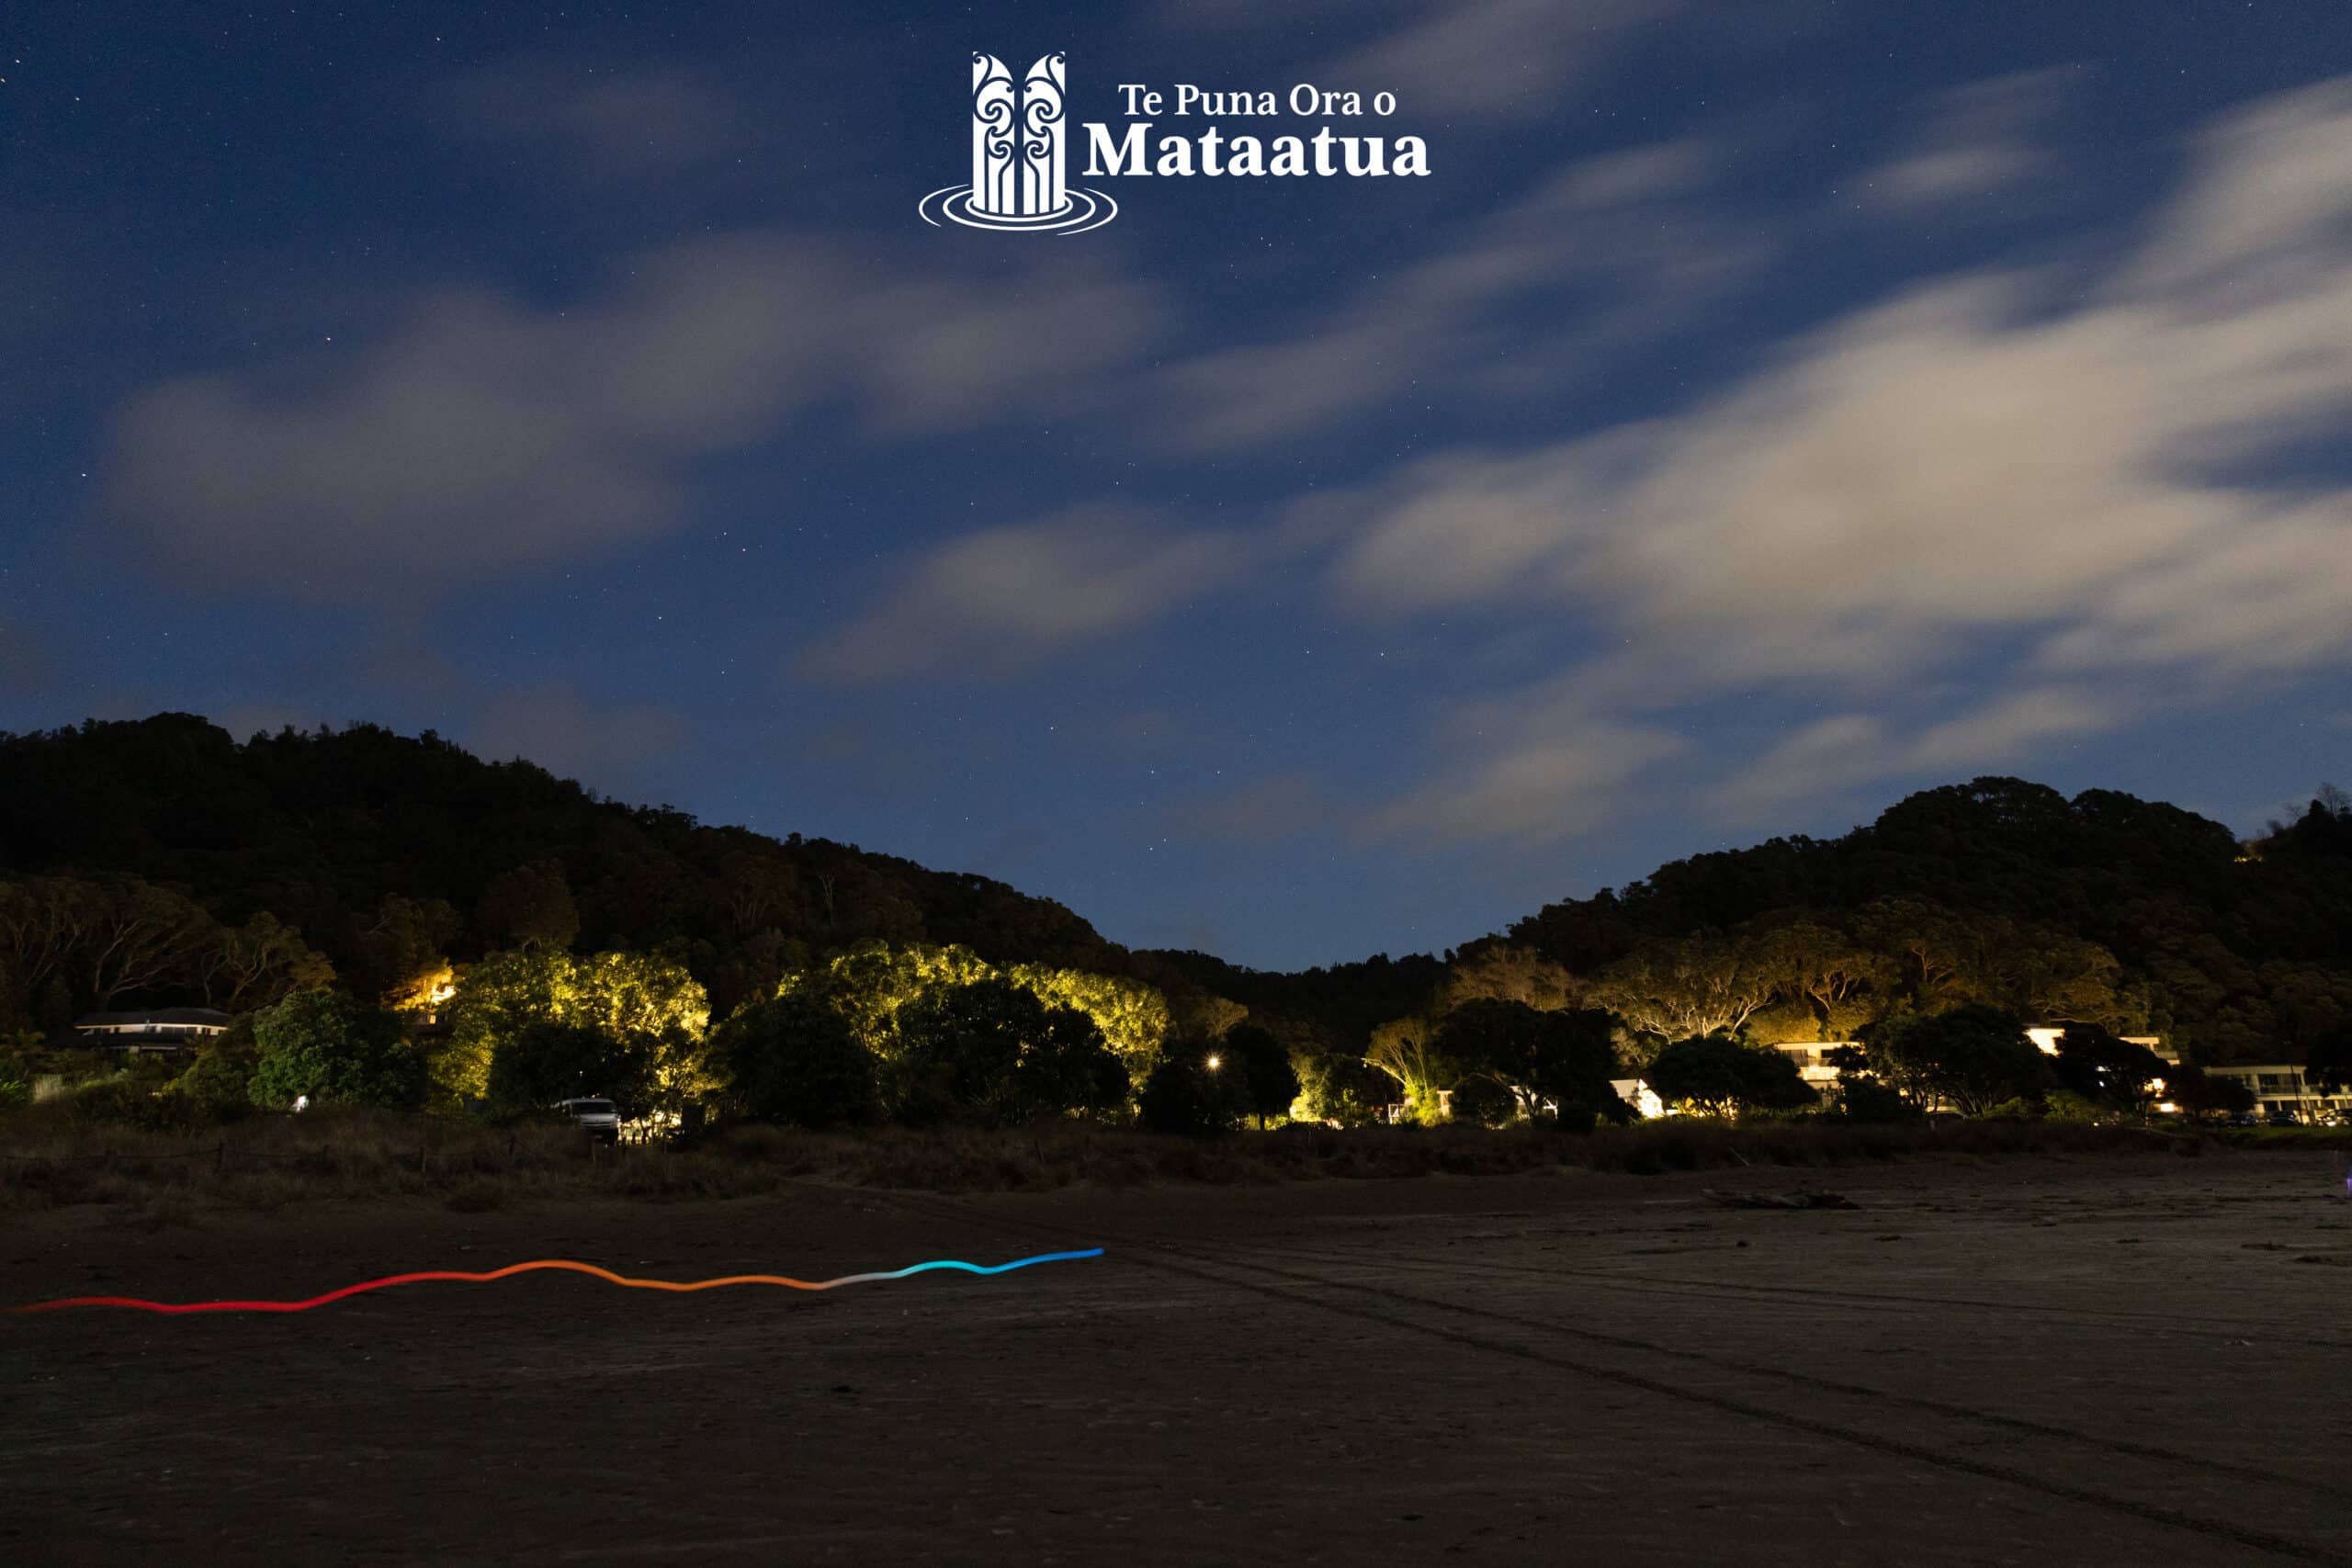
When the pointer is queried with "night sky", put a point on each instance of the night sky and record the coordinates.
(1759, 412)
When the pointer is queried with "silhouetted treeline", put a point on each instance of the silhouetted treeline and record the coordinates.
(388, 854)
(2236, 951)
(380, 847)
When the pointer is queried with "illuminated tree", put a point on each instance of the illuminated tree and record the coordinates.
(1492, 969)
(793, 1059)
(1133, 1016)
(335, 1049)
(640, 998)
(1838, 984)
(1683, 987)
(872, 981)
(1406, 1049)
(1335, 1084)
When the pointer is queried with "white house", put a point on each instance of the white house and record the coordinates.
(163, 1029)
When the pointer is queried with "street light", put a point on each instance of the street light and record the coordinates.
(1216, 1061)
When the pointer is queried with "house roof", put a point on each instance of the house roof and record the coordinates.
(205, 1018)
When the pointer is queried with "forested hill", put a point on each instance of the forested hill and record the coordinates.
(378, 846)
(393, 855)
(2132, 914)
(2136, 913)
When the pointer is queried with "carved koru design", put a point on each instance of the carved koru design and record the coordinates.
(1031, 185)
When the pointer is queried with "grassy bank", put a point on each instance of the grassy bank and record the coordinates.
(48, 1158)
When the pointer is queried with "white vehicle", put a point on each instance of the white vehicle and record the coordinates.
(599, 1118)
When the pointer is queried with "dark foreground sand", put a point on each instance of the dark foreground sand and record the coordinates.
(2123, 1361)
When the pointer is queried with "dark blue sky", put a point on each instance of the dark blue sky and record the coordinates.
(1758, 411)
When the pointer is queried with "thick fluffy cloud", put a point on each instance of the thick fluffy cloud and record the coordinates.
(2078, 502)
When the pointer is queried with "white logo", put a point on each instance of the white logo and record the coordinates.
(1017, 158)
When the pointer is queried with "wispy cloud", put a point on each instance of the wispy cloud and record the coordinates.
(986, 603)
(629, 123)
(1616, 249)
(483, 434)
(1980, 140)
(1505, 59)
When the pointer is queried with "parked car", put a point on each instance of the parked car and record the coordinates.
(2245, 1119)
(600, 1119)
(2283, 1117)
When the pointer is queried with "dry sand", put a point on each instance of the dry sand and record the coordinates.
(2137, 1360)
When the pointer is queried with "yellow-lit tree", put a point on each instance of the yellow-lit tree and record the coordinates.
(1405, 1050)
(626, 995)
(869, 983)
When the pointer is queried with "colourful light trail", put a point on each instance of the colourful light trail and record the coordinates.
(563, 1264)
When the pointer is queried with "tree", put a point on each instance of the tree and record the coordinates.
(1837, 983)
(530, 908)
(1491, 968)
(41, 923)
(991, 1052)
(1406, 1049)
(259, 962)
(336, 1050)
(134, 936)
(1067, 1066)
(544, 1061)
(1186, 1095)
(1268, 1081)
(871, 981)
(2200, 1094)
(1975, 1056)
(1481, 1101)
(1133, 1017)
(1862, 1097)
(1335, 1084)
(1716, 1076)
(15, 1080)
(219, 1083)
(2095, 1064)
(407, 940)
(758, 887)
(2327, 1061)
(1679, 988)
(1555, 1064)
(644, 999)
(794, 1059)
